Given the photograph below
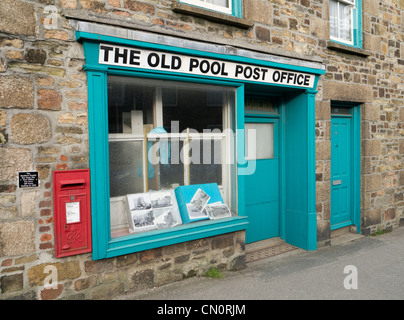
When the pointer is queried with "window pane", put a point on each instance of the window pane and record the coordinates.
(259, 140)
(345, 21)
(334, 18)
(222, 3)
(206, 161)
(125, 167)
(341, 110)
(216, 5)
(130, 105)
(194, 108)
(168, 173)
(260, 104)
(341, 20)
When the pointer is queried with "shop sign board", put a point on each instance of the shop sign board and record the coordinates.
(194, 65)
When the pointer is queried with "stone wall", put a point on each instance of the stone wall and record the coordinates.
(43, 126)
(79, 277)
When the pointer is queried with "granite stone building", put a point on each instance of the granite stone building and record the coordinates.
(279, 121)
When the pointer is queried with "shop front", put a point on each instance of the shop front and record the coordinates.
(190, 140)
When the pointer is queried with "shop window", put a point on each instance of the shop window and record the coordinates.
(163, 135)
(345, 22)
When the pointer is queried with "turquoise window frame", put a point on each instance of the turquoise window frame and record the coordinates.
(103, 245)
(357, 27)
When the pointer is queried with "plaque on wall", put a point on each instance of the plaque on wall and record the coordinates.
(28, 179)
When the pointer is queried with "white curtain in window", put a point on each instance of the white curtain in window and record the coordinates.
(345, 21)
(334, 18)
(224, 6)
(341, 20)
(222, 3)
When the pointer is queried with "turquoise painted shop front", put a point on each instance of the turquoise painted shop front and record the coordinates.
(278, 196)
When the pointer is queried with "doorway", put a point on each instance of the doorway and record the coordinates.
(262, 187)
(279, 198)
(345, 177)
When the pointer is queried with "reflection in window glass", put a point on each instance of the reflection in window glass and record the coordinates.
(195, 108)
(130, 106)
(206, 162)
(167, 174)
(125, 167)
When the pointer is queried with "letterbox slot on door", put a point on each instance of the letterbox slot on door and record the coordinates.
(72, 211)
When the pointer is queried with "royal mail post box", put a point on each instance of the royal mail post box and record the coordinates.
(72, 212)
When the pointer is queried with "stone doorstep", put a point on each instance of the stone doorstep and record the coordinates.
(344, 235)
(277, 248)
(268, 249)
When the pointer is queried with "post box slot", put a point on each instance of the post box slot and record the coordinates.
(72, 183)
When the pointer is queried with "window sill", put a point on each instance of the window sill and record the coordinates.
(188, 232)
(211, 15)
(347, 49)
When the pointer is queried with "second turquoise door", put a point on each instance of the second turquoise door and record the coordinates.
(341, 171)
(262, 186)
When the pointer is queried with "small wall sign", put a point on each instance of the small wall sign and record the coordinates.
(28, 179)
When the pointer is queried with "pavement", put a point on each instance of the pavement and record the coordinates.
(361, 268)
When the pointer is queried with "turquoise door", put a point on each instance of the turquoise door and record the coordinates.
(262, 187)
(341, 171)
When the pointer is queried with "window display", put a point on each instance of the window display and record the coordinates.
(163, 135)
(150, 211)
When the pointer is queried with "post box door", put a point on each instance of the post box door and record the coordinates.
(72, 212)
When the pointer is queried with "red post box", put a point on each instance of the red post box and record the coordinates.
(72, 212)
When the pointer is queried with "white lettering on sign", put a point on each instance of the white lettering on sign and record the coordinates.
(164, 61)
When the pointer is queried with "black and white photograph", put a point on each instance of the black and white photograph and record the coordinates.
(218, 210)
(200, 199)
(195, 213)
(161, 199)
(143, 220)
(166, 218)
(140, 201)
